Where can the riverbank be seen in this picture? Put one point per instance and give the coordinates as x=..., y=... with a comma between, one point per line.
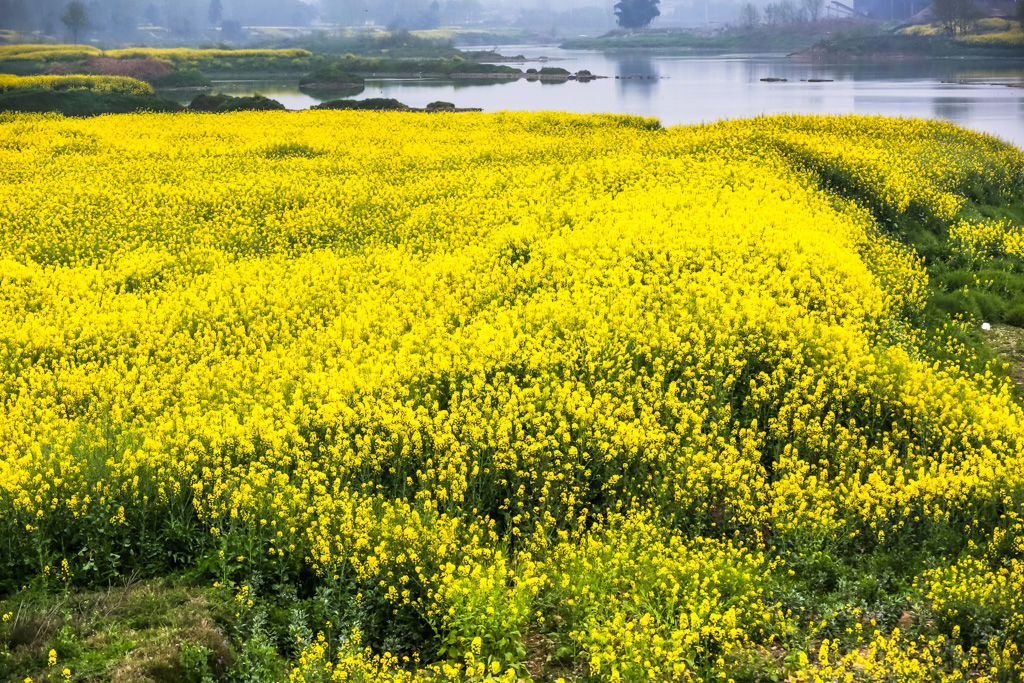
x=902, y=46
x=832, y=40
x=788, y=38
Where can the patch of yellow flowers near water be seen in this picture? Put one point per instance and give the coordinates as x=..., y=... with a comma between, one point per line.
x=527, y=373
x=988, y=31
x=177, y=55
x=119, y=84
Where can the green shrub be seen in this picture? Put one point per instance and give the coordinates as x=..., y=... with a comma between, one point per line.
x=956, y=279
x=256, y=102
x=371, y=104
x=330, y=77
x=990, y=306
x=83, y=102
x=955, y=303
x=185, y=78
x=1015, y=315
x=205, y=102
x=553, y=71
x=439, y=105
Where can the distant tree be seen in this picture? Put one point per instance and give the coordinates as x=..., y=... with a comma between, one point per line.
x=636, y=13
x=750, y=15
x=122, y=16
x=75, y=17
x=955, y=16
x=812, y=8
x=13, y=14
x=460, y=11
x=216, y=12
x=152, y=14
x=780, y=13
x=429, y=18
x=231, y=29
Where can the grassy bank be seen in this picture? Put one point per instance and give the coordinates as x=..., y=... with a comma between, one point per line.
x=989, y=38
x=889, y=46
x=510, y=396
x=147, y=62
x=786, y=38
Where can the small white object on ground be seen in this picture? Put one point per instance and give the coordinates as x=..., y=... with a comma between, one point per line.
x=986, y=327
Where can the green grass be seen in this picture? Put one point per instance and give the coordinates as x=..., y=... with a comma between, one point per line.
x=146, y=631
x=976, y=291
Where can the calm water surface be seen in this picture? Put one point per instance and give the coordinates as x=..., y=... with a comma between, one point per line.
x=680, y=89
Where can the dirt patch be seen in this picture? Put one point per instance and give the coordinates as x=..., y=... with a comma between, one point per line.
x=1008, y=342
x=134, y=68
x=544, y=664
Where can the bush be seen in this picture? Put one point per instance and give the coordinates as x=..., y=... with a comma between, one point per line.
x=553, y=71
x=331, y=77
x=435, y=106
x=955, y=303
x=957, y=279
x=1015, y=316
x=256, y=102
x=208, y=102
x=371, y=104
x=186, y=78
x=82, y=102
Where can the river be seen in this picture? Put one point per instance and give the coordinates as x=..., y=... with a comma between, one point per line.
x=982, y=94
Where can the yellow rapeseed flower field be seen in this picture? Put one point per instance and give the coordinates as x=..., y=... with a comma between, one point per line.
x=516, y=379
x=119, y=84
x=207, y=58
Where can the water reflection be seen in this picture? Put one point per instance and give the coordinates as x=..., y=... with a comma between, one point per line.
x=332, y=93
x=636, y=76
x=952, y=108
x=690, y=88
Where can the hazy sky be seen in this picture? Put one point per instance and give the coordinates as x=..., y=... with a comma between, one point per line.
x=194, y=19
